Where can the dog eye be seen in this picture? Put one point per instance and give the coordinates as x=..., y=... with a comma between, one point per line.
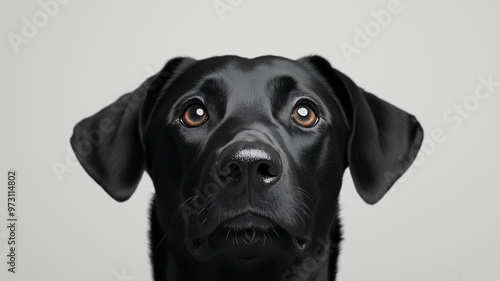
x=194, y=116
x=304, y=116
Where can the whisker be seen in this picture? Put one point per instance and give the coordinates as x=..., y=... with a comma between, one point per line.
x=306, y=194
x=177, y=211
x=163, y=238
x=300, y=218
x=305, y=212
x=272, y=227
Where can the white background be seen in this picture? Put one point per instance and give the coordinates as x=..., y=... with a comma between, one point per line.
x=442, y=222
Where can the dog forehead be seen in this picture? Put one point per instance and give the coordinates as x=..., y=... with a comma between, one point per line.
x=254, y=87
x=251, y=81
x=260, y=71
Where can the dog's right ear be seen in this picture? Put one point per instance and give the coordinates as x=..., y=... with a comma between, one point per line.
x=109, y=145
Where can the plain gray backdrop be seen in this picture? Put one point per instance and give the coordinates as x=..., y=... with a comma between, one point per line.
x=63, y=61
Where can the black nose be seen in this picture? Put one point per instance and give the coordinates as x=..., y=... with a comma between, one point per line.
x=257, y=163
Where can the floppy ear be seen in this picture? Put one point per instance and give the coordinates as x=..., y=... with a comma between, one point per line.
x=109, y=145
x=384, y=139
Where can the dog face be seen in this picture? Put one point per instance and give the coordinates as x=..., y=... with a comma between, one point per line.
x=241, y=149
x=247, y=155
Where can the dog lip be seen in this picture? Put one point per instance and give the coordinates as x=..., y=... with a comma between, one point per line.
x=243, y=223
x=243, y=220
x=248, y=220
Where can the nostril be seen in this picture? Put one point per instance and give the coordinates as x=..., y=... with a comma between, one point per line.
x=230, y=170
x=234, y=170
x=268, y=171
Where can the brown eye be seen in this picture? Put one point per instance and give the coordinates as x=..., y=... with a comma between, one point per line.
x=194, y=116
x=304, y=116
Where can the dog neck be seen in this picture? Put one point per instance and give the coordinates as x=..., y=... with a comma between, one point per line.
x=319, y=265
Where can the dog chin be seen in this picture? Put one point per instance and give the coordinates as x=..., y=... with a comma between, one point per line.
x=247, y=237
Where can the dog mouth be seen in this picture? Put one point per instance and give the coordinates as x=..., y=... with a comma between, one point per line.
x=247, y=235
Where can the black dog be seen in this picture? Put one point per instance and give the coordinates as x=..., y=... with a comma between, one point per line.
x=247, y=158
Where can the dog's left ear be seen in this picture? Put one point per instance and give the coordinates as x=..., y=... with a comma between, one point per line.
x=384, y=139
x=109, y=145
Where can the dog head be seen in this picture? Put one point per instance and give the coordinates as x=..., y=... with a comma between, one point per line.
x=247, y=155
